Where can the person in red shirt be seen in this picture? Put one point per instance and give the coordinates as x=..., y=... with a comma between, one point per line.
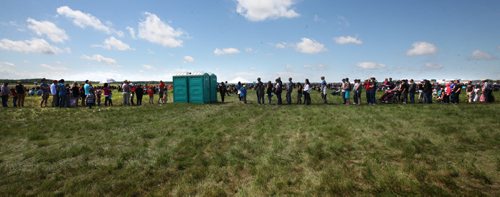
x=151, y=94
x=368, y=87
x=161, y=100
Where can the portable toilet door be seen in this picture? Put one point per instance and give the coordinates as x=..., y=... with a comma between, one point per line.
x=199, y=88
x=213, y=88
x=181, y=93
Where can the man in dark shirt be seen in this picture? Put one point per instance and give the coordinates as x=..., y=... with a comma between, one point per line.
x=259, y=89
x=21, y=93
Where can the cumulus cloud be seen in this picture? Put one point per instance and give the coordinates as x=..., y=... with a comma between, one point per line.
x=260, y=10
x=310, y=46
x=131, y=31
x=48, y=29
x=370, y=65
x=433, y=66
x=29, y=46
x=422, y=48
x=348, y=40
x=113, y=43
x=188, y=59
x=100, y=59
x=83, y=20
x=481, y=55
x=154, y=30
x=226, y=51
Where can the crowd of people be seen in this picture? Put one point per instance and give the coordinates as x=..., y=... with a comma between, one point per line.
x=65, y=95
x=400, y=91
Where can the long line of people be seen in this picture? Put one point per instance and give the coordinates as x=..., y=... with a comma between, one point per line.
x=401, y=91
x=63, y=95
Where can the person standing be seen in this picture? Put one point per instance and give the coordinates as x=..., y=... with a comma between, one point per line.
x=269, y=91
x=75, y=93
x=53, y=92
x=259, y=89
x=98, y=94
x=427, y=88
x=307, y=92
x=126, y=93
x=222, y=91
x=357, y=92
x=61, y=93
x=374, y=85
x=161, y=92
x=4, y=91
x=21, y=94
x=300, y=90
x=289, y=89
x=347, y=91
x=139, y=92
x=412, y=88
x=469, y=90
x=243, y=93
x=456, y=92
x=404, y=91
x=278, y=90
x=323, y=89
x=107, y=95
x=44, y=86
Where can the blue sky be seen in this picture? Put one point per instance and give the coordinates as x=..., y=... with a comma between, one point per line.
x=240, y=40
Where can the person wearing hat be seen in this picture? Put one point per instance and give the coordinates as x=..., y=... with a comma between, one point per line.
x=44, y=86
x=259, y=89
x=21, y=94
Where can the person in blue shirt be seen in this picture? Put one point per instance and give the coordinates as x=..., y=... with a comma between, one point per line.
x=86, y=87
x=323, y=89
x=243, y=93
x=61, y=91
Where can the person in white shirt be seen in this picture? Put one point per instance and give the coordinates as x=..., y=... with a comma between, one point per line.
x=307, y=92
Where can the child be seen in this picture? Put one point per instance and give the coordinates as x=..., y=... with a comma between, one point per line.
x=14, y=96
x=98, y=94
x=107, y=95
x=90, y=100
x=243, y=94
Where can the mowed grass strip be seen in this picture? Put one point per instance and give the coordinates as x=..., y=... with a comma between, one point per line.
x=251, y=150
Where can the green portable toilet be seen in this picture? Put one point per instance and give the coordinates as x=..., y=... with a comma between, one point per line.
x=181, y=93
x=199, y=88
x=213, y=88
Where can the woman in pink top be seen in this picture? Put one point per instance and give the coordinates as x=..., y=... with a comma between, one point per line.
x=107, y=95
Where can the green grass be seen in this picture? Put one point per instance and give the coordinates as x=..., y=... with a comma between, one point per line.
x=250, y=150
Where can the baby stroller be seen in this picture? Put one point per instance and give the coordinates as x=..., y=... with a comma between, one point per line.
x=389, y=96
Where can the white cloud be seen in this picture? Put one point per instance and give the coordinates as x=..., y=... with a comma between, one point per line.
x=481, y=55
x=83, y=20
x=47, y=28
x=6, y=64
x=370, y=65
x=188, y=59
x=113, y=43
x=348, y=40
x=131, y=31
x=280, y=45
x=315, y=67
x=34, y=45
x=259, y=10
x=147, y=67
x=422, y=48
x=226, y=51
x=433, y=66
x=100, y=58
x=310, y=46
x=154, y=30
x=53, y=68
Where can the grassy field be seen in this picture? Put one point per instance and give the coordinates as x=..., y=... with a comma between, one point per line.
x=251, y=150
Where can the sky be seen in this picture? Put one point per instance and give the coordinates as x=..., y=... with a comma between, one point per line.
x=240, y=40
